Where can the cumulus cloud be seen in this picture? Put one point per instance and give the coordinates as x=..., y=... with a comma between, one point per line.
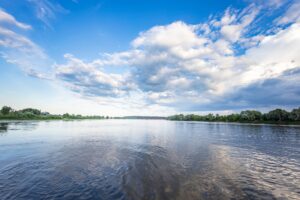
x=280, y=91
x=234, y=25
x=89, y=80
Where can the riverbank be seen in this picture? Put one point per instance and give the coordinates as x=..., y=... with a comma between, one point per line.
x=50, y=117
x=46, y=119
x=277, y=116
x=8, y=113
x=247, y=123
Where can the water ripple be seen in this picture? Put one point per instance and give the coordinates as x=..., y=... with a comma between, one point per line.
x=149, y=160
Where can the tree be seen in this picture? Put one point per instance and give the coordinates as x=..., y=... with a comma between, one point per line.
x=210, y=117
x=295, y=114
x=278, y=115
x=233, y=117
x=31, y=110
x=251, y=115
x=66, y=115
x=6, y=110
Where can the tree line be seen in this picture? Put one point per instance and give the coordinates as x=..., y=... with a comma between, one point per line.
x=253, y=116
x=7, y=112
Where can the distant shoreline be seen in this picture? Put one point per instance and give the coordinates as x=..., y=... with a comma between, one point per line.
x=276, y=117
x=245, y=123
x=9, y=120
x=8, y=113
x=297, y=124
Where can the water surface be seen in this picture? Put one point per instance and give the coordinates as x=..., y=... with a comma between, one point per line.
x=148, y=159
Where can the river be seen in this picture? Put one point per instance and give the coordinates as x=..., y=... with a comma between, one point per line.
x=148, y=159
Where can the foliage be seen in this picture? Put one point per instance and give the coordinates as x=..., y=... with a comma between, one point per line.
x=276, y=116
x=295, y=114
x=35, y=114
x=6, y=110
x=31, y=110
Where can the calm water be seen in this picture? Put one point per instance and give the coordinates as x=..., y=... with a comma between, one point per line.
x=148, y=159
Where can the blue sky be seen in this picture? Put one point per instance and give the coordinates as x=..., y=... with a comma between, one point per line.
x=153, y=57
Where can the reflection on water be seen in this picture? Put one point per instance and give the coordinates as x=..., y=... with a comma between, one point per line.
x=17, y=125
x=3, y=127
x=148, y=159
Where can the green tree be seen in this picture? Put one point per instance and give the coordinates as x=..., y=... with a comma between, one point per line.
x=31, y=110
x=232, y=117
x=210, y=117
x=278, y=115
x=66, y=115
x=251, y=115
x=295, y=114
x=6, y=110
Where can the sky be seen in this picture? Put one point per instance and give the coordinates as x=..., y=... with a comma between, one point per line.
x=149, y=57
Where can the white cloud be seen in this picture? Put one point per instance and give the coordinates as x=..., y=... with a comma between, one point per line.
x=12, y=40
x=89, y=80
x=274, y=55
x=234, y=25
x=9, y=19
x=269, y=4
x=292, y=14
x=18, y=49
x=276, y=3
x=175, y=34
x=46, y=10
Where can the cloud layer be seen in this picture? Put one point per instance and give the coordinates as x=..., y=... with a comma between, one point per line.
x=239, y=59
x=226, y=61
